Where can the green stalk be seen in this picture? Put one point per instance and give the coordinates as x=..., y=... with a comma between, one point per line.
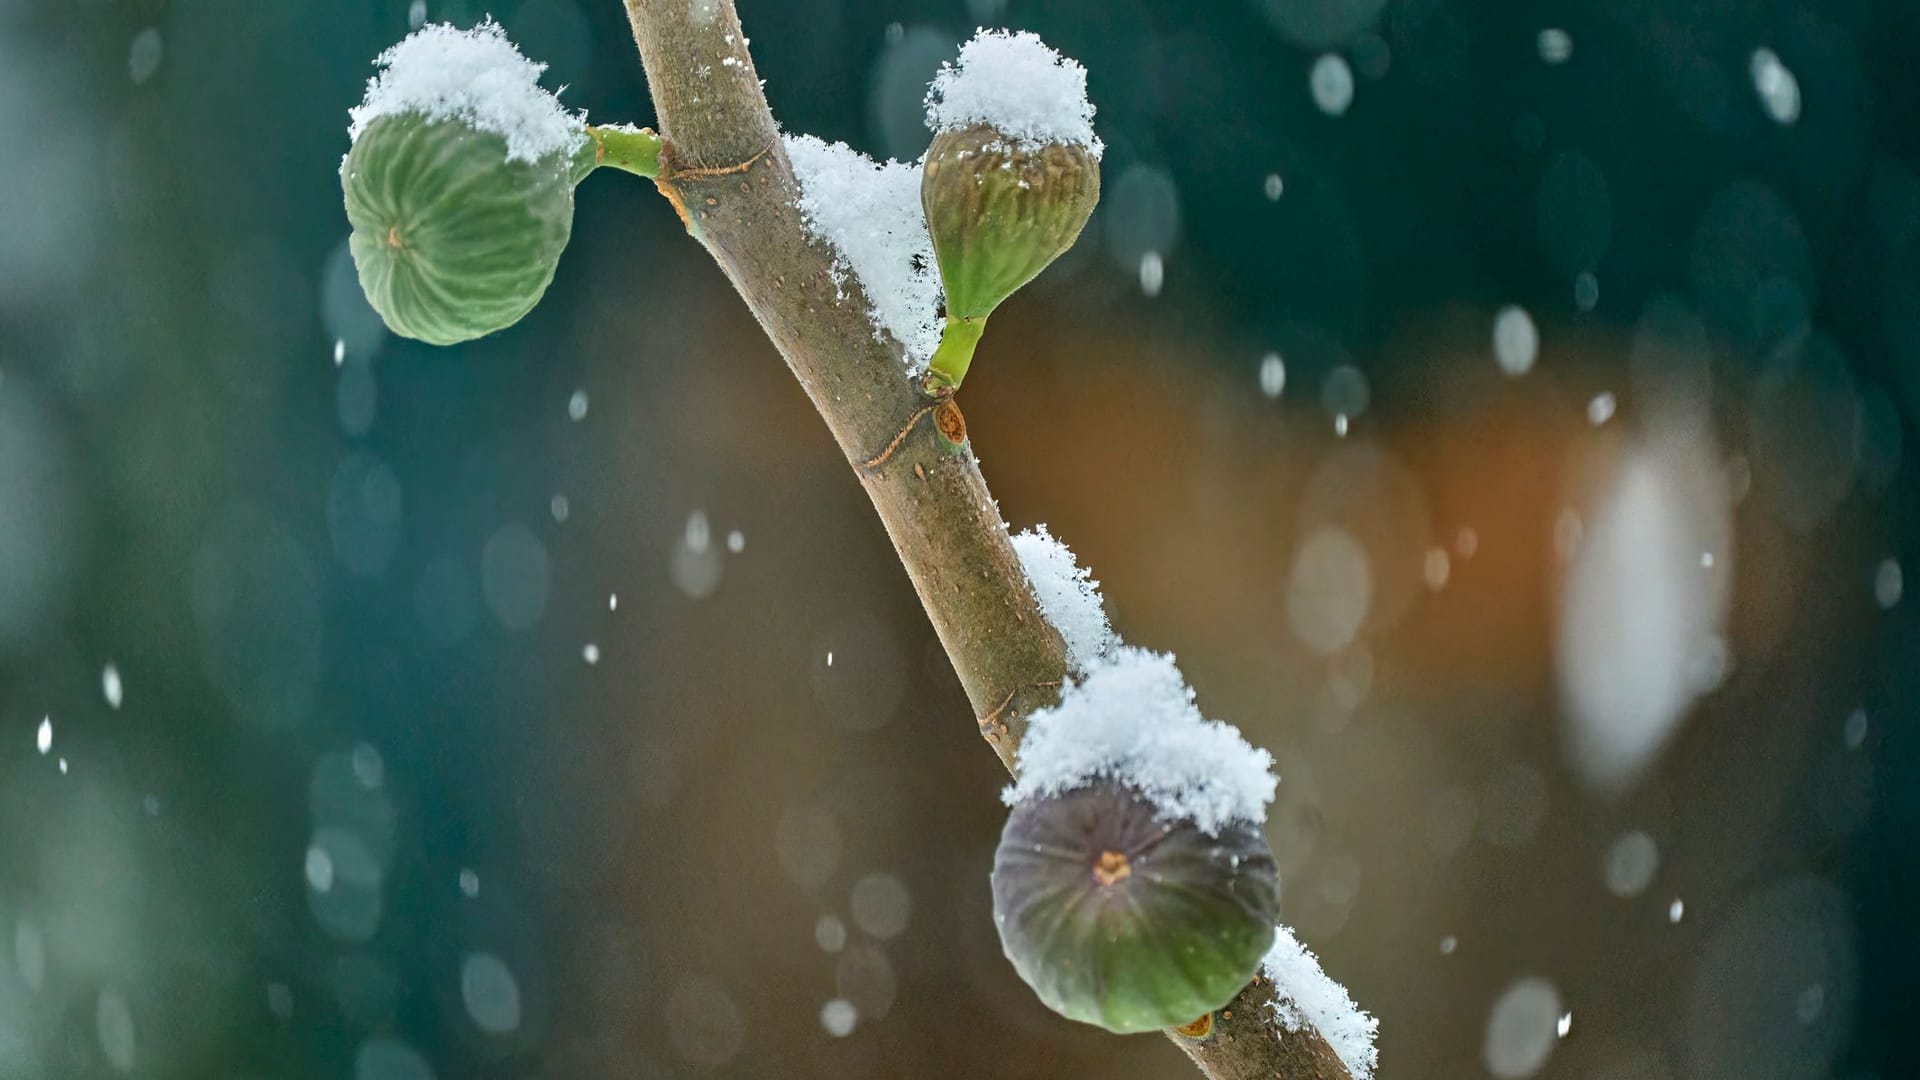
x=951, y=359
x=635, y=150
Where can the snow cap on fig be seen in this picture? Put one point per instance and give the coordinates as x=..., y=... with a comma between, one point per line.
x=1010, y=179
x=1133, y=888
x=1132, y=719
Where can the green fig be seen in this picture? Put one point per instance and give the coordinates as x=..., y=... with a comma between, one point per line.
x=451, y=238
x=999, y=210
x=1119, y=919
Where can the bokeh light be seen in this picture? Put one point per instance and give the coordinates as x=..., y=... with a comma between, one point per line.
x=1502, y=411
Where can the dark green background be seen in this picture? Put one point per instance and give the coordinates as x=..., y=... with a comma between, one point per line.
x=183, y=494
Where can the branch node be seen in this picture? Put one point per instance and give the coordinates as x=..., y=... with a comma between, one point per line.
x=952, y=425
x=991, y=724
x=669, y=171
x=874, y=463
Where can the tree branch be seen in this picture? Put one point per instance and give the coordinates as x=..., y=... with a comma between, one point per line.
x=725, y=171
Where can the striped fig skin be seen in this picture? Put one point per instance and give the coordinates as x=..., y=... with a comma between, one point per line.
x=1126, y=922
x=452, y=240
x=1000, y=211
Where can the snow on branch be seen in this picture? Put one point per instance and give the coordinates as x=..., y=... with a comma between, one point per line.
x=1304, y=996
x=1068, y=596
x=869, y=213
x=1132, y=719
x=477, y=76
x=1013, y=82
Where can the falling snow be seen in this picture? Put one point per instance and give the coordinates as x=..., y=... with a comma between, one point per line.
x=1515, y=341
x=1888, y=583
x=1153, y=274
x=1600, y=409
x=1273, y=376
x=1331, y=83
x=1634, y=615
x=1776, y=86
x=1555, y=45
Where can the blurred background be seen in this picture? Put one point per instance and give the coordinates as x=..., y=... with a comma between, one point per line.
x=1501, y=408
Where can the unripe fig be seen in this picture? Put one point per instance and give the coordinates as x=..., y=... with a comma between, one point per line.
x=999, y=210
x=1119, y=919
x=451, y=238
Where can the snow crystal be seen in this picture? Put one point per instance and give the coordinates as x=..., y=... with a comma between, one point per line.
x=1555, y=45
x=1888, y=583
x=1303, y=994
x=870, y=213
x=839, y=1017
x=477, y=76
x=1068, y=597
x=1600, y=409
x=1015, y=83
x=1779, y=91
x=1153, y=274
x=1516, y=341
x=1132, y=719
x=1331, y=83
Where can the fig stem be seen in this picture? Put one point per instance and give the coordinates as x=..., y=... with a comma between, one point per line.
x=955, y=352
x=634, y=150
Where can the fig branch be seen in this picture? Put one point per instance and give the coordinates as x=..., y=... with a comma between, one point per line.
x=723, y=166
x=721, y=163
x=1133, y=888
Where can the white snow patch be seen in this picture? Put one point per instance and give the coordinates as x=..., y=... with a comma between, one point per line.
x=477, y=76
x=870, y=214
x=1303, y=994
x=1132, y=719
x=1016, y=84
x=1068, y=597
